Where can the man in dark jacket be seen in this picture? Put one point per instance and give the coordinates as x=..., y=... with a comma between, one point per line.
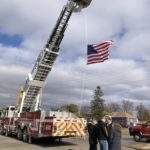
x=92, y=135
x=116, y=140
x=102, y=134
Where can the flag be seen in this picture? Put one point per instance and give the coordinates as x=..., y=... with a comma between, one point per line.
x=98, y=52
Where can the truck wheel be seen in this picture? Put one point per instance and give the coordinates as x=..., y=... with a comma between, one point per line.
x=29, y=139
x=1, y=130
x=60, y=140
x=19, y=134
x=137, y=137
x=6, y=132
x=25, y=135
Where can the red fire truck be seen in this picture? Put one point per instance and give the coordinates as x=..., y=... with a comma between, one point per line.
x=27, y=120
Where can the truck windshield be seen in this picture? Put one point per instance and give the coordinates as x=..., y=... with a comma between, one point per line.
x=12, y=108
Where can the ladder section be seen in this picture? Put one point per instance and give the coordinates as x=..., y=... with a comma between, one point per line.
x=31, y=95
x=45, y=61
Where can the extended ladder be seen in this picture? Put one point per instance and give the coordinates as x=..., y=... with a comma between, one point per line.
x=36, y=79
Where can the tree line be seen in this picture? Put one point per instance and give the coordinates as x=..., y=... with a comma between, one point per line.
x=98, y=107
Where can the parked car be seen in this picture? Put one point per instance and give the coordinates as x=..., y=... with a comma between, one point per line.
x=140, y=131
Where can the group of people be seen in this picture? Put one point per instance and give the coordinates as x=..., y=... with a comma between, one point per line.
x=104, y=132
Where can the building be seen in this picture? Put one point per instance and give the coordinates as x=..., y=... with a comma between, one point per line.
x=124, y=119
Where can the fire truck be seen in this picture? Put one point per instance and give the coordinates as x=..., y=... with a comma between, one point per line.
x=27, y=120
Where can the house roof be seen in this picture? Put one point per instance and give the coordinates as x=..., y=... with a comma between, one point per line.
x=122, y=115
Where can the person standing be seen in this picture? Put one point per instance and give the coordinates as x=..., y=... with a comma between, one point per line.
x=92, y=135
x=102, y=134
x=109, y=129
x=116, y=137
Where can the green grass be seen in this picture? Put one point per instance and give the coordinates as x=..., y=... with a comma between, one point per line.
x=125, y=131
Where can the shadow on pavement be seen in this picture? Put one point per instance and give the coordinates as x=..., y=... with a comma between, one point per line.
x=130, y=139
x=127, y=138
x=46, y=142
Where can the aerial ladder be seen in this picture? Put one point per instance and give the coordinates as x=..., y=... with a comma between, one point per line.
x=29, y=98
x=28, y=120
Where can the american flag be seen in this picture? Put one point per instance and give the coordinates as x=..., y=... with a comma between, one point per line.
x=98, y=52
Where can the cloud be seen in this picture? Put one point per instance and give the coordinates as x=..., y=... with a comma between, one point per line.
x=124, y=75
x=12, y=78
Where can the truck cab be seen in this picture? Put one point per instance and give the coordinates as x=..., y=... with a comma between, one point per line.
x=6, y=118
x=9, y=111
x=140, y=131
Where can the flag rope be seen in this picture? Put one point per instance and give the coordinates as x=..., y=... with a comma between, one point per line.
x=83, y=72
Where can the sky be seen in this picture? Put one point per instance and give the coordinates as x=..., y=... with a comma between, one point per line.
x=25, y=26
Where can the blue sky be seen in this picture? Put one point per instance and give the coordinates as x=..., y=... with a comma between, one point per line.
x=24, y=30
x=10, y=40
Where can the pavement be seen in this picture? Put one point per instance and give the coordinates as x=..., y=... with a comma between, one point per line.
x=11, y=143
x=128, y=142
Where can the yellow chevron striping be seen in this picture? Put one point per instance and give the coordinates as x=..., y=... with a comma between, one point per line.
x=61, y=127
x=71, y=127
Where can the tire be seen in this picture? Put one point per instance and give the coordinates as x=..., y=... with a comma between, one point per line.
x=137, y=137
x=29, y=139
x=60, y=140
x=6, y=132
x=19, y=134
x=25, y=135
x=1, y=130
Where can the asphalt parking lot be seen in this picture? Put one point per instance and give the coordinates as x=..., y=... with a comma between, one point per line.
x=11, y=143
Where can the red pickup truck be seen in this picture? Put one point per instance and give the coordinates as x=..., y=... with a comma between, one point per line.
x=140, y=131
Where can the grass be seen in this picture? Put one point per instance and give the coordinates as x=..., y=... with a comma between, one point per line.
x=125, y=131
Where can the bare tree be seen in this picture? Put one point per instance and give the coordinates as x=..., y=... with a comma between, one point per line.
x=85, y=111
x=143, y=113
x=127, y=106
x=113, y=107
